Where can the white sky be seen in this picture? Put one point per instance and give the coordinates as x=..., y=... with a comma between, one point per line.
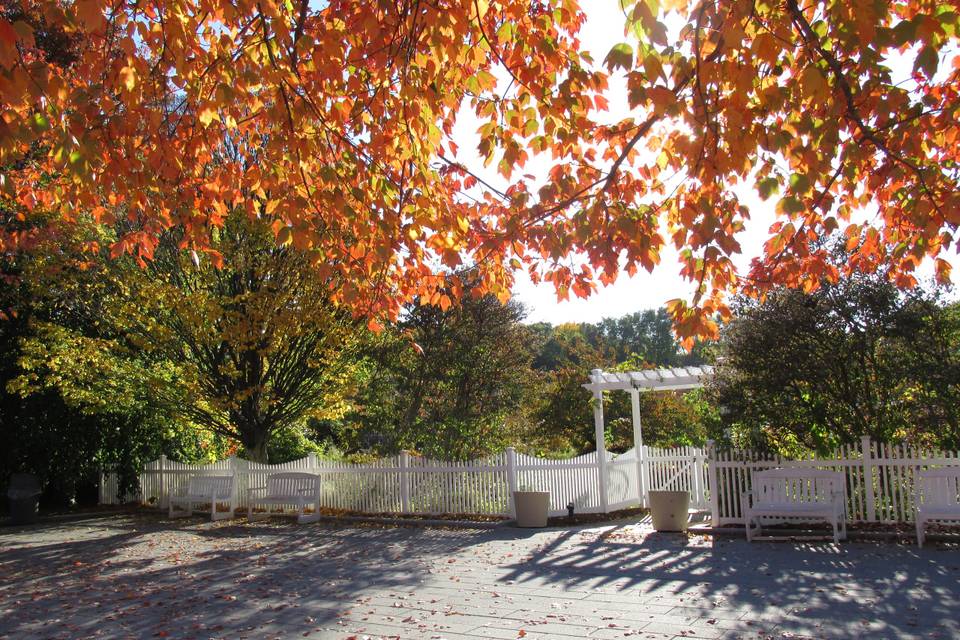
x=604, y=28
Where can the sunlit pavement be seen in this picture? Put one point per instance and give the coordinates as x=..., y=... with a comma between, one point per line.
x=147, y=577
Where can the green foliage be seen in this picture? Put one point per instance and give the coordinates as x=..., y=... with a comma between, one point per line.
x=808, y=371
x=71, y=405
x=445, y=383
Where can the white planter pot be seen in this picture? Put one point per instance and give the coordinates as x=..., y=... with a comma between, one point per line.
x=668, y=509
x=532, y=508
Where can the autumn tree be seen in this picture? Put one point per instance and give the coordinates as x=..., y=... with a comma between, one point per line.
x=243, y=350
x=72, y=402
x=126, y=107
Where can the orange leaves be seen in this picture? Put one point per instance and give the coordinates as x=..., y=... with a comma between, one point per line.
x=90, y=15
x=8, y=44
x=620, y=56
x=342, y=134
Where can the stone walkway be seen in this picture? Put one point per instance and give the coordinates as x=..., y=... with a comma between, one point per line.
x=145, y=577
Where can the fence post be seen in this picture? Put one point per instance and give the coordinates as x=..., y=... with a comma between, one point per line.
x=638, y=446
x=714, y=483
x=163, y=500
x=404, y=482
x=695, y=471
x=512, y=479
x=871, y=504
x=103, y=487
x=601, y=446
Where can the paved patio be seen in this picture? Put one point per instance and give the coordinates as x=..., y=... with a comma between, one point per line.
x=145, y=577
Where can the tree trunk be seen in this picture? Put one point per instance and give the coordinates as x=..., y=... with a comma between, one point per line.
x=255, y=446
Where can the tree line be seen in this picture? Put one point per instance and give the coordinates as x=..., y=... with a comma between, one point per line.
x=108, y=364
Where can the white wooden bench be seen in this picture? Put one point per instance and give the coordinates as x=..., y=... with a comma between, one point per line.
x=797, y=494
x=206, y=489
x=937, y=497
x=300, y=490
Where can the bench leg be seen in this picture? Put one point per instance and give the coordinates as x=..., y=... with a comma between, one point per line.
x=256, y=517
x=184, y=512
x=750, y=530
x=920, y=524
x=836, y=532
x=215, y=515
x=305, y=518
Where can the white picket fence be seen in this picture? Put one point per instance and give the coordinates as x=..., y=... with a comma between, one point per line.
x=411, y=484
x=879, y=478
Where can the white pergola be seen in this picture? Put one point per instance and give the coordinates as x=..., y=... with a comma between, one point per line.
x=672, y=379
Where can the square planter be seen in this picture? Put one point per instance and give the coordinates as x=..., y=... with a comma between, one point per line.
x=532, y=508
x=669, y=509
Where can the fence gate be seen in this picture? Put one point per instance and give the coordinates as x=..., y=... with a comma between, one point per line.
x=678, y=469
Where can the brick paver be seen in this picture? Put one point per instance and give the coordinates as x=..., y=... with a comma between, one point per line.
x=145, y=577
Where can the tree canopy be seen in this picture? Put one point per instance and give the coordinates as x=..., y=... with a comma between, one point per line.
x=334, y=122
x=809, y=371
x=243, y=350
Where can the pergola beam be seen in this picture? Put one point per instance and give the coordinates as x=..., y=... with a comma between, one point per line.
x=671, y=379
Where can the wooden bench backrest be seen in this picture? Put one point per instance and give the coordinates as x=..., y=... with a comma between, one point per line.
x=797, y=485
x=293, y=484
x=940, y=486
x=220, y=486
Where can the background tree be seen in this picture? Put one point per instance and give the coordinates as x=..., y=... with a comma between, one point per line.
x=64, y=432
x=449, y=384
x=804, y=371
x=244, y=350
x=562, y=418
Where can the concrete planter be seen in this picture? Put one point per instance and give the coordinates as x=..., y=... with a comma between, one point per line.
x=532, y=508
x=669, y=509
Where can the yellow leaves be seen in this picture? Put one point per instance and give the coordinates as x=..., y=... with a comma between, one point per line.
x=207, y=115
x=619, y=56
x=128, y=78
x=814, y=85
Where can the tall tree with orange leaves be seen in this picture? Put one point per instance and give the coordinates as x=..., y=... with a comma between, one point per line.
x=334, y=123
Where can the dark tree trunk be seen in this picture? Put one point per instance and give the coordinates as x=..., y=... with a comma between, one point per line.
x=256, y=448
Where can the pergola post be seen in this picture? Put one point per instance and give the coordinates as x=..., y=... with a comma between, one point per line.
x=601, y=442
x=668, y=379
x=638, y=446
